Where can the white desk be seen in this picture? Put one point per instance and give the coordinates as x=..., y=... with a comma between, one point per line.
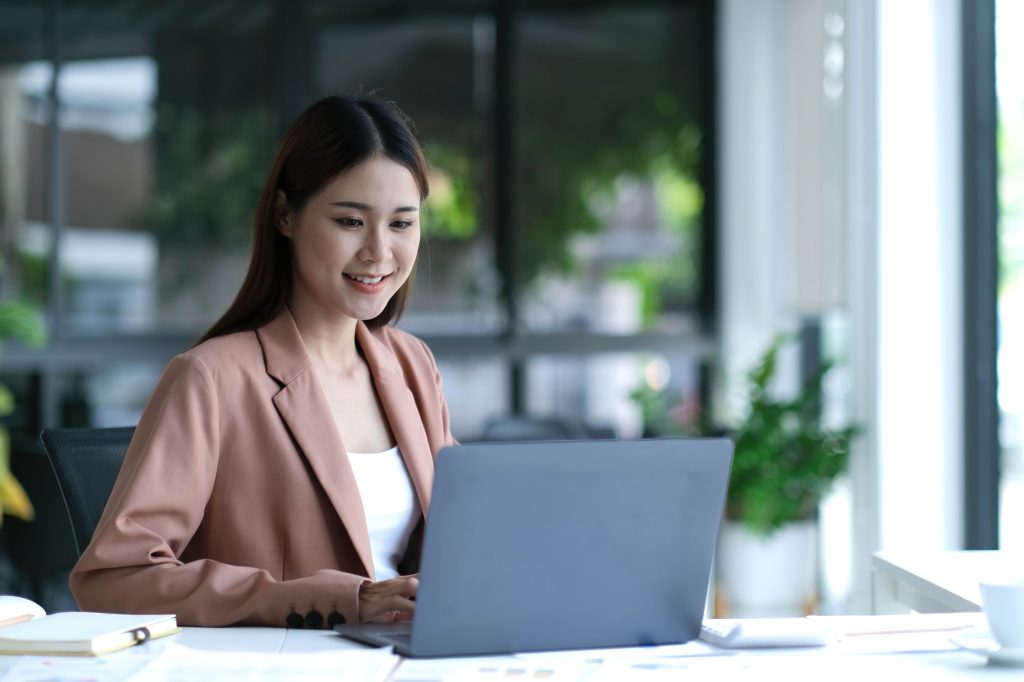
x=933, y=582
x=792, y=665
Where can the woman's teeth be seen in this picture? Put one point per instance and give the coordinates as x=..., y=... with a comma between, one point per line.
x=366, y=280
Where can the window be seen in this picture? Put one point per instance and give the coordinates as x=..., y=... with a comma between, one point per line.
x=1010, y=362
x=166, y=120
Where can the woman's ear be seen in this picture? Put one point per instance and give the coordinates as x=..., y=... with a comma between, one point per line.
x=282, y=214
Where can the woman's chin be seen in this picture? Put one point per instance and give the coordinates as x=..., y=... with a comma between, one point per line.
x=367, y=314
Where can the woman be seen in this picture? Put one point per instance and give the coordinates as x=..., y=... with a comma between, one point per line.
x=281, y=471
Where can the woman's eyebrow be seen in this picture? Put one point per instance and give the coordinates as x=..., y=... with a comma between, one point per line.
x=360, y=206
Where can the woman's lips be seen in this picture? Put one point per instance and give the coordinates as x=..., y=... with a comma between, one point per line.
x=366, y=283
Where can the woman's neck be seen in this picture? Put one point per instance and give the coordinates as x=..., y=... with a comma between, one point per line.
x=330, y=341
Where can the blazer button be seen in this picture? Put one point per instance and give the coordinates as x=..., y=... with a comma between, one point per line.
x=335, y=618
x=314, y=619
x=295, y=620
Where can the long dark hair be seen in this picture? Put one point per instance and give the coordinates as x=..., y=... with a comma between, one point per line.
x=333, y=135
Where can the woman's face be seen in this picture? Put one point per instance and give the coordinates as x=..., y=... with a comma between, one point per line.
x=354, y=243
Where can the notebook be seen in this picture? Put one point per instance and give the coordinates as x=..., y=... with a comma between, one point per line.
x=564, y=545
x=83, y=633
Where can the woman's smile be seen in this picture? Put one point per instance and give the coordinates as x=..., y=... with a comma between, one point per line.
x=369, y=284
x=362, y=226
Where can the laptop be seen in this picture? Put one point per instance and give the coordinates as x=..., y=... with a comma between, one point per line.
x=564, y=545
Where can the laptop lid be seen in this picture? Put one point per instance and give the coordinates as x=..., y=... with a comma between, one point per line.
x=569, y=544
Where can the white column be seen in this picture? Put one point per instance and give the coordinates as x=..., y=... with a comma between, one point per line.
x=753, y=184
x=919, y=276
x=12, y=169
x=782, y=207
x=861, y=189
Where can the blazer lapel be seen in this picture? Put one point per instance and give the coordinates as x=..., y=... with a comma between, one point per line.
x=402, y=413
x=303, y=406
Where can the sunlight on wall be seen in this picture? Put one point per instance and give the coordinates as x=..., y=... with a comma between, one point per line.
x=919, y=294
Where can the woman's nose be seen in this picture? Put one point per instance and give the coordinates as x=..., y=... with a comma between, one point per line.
x=375, y=246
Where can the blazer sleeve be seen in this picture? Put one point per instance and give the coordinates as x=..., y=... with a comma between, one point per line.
x=133, y=563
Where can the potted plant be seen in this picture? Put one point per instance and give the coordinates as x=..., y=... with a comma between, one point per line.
x=21, y=321
x=785, y=461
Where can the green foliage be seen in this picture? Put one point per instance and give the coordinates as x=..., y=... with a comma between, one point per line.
x=451, y=208
x=669, y=277
x=669, y=413
x=34, y=274
x=638, y=128
x=785, y=460
x=208, y=177
x=657, y=409
x=1010, y=141
x=19, y=320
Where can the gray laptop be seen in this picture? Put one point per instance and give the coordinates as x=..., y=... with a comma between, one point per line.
x=564, y=545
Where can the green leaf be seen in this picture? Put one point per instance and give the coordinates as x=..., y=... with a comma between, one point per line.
x=6, y=401
x=22, y=321
x=785, y=460
x=19, y=320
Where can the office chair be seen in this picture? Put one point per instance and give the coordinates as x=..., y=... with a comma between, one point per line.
x=41, y=551
x=86, y=463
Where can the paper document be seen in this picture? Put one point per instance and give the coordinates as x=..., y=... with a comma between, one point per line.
x=113, y=668
x=495, y=669
x=899, y=623
x=901, y=633
x=694, y=648
x=814, y=665
x=179, y=663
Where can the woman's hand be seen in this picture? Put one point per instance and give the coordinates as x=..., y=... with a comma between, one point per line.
x=388, y=600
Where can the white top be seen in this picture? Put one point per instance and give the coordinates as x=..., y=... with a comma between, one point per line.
x=390, y=505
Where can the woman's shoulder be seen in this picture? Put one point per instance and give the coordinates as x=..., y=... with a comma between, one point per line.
x=225, y=347
x=224, y=353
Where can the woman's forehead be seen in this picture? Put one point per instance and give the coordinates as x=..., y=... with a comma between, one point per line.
x=377, y=177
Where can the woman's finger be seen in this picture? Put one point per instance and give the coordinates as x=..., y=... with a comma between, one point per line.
x=406, y=586
x=379, y=602
x=400, y=603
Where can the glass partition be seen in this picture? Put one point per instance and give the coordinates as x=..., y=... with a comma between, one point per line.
x=610, y=152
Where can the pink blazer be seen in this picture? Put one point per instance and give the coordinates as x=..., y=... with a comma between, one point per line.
x=236, y=503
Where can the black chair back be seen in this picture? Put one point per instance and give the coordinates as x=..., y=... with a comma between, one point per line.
x=41, y=551
x=86, y=463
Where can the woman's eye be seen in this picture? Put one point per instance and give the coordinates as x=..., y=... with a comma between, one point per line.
x=401, y=224
x=349, y=222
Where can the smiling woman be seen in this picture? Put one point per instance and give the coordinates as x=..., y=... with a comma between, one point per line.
x=354, y=242
x=282, y=468
x=324, y=145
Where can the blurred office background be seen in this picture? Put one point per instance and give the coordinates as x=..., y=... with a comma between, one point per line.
x=627, y=198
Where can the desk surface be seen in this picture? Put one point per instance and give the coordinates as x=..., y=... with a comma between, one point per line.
x=932, y=582
x=791, y=664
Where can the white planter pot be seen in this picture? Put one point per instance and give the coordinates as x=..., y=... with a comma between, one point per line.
x=772, y=576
